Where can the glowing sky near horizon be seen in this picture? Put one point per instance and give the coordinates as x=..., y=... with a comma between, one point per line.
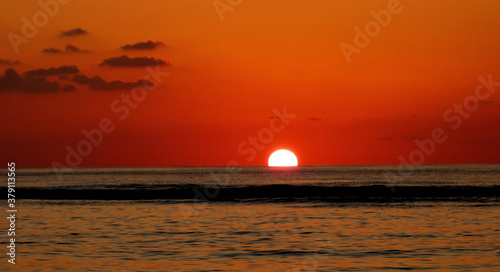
x=227, y=78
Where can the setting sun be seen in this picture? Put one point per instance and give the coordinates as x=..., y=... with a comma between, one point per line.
x=282, y=157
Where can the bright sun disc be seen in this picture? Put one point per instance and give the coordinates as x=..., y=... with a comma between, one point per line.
x=282, y=157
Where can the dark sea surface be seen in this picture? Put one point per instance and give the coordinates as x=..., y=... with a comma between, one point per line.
x=336, y=218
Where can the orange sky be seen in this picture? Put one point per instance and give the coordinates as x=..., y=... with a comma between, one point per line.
x=226, y=77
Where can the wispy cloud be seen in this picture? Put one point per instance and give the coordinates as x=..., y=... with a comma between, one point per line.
x=97, y=83
x=53, y=71
x=52, y=50
x=312, y=118
x=35, y=81
x=68, y=49
x=73, y=49
x=125, y=61
x=8, y=62
x=149, y=45
x=73, y=32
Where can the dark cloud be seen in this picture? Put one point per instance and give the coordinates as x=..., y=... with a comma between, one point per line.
x=73, y=32
x=53, y=71
x=81, y=79
x=69, y=88
x=52, y=50
x=73, y=49
x=30, y=83
x=12, y=81
x=312, y=118
x=149, y=45
x=69, y=49
x=125, y=61
x=8, y=62
x=97, y=83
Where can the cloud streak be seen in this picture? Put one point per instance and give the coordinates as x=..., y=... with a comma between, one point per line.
x=52, y=50
x=97, y=83
x=69, y=49
x=126, y=61
x=149, y=45
x=35, y=81
x=73, y=32
x=53, y=71
x=312, y=118
x=8, y=62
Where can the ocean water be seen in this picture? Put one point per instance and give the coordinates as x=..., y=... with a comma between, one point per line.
x=431, y=218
